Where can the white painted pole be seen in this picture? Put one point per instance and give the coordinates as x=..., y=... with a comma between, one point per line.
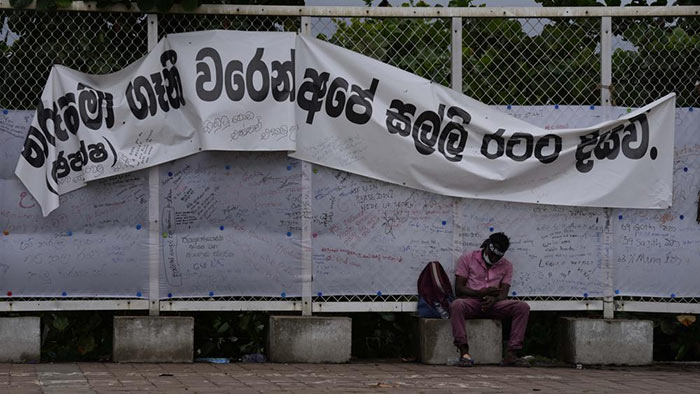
x=153, y=206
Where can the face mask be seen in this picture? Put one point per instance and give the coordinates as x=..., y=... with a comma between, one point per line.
x=486, y=259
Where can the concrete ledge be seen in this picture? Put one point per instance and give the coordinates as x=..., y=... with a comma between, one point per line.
x=436, y=341
x=598, y=341
x=145, y=339
x=20, y=339
x=309, y=339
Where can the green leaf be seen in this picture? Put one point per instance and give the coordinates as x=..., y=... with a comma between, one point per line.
x=387, y=316
x=223, y=328
x=63, y=3
x=61, y=323
x=681, y=352
x=45, y=5
x=20, y=3
x=190, y=5
x=86, y=344
x=146, y=5
x=164, y=5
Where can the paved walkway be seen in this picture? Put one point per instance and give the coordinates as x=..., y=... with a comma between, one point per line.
x=366, y=377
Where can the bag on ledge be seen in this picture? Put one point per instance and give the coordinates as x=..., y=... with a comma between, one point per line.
x=434, y=292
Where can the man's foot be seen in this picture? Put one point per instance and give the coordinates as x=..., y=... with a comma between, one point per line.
x=465, y=361
x=512, y=360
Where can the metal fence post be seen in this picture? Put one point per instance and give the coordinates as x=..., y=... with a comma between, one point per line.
x=307, y=268
x=605, y=59
x=456, y=46
x=605, y=81
x=153, y=206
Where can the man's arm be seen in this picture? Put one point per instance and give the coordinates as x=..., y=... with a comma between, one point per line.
x=463, y=291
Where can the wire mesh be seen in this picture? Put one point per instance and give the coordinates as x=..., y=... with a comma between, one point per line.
x=417, y=45
x=532, y=61
x=32, y=42
x=653, y=57
x=181, y=23
x=506, y=61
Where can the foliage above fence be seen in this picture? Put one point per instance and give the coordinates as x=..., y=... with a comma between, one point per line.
x=506, y=61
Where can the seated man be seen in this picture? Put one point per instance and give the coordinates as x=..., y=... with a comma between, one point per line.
x=482, y=285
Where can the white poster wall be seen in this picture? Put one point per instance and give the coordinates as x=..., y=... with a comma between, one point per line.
x=367, y=236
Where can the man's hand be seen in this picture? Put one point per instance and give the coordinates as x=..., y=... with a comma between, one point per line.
x=491, y=291
x=487, y=303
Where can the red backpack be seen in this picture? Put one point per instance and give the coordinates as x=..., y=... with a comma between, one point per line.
x=434, y=292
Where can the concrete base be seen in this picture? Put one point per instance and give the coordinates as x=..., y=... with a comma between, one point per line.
x=144, y=339
x=436, y=341
x=309, y=339
x=20, y=339
x=598, y=341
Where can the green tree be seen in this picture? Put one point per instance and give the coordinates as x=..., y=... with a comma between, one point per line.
x=418, y=45
x=540, y=61
x=94, y=43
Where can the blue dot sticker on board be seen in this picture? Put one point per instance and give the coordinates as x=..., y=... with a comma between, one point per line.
x=70, y=233
x=289, y=233
x=556, y=106
x=289, y=168
x=491, y=229
x=320, y=294
x=592, y=107
x=64, y=294
x=228, y=166
x=585, y=295
x=379, y=293
x=682, y=217
x=619, y=217
x=138, y=294
x=5, y=112
x=211, y=294
x=509, y=106
x=515, y=293
x=617, y=291
x=444, y=222
x=138, y=227
x=673, y=295
x=221, y=228
x=170, y=173
x=690, y=109
x=170, y=295
x=685, y=169
x=283, y=295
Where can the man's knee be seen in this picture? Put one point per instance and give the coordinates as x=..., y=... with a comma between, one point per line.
x=462, y=306
x=457, y=306
x=522, y=308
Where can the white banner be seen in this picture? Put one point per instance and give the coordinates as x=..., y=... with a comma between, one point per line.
x=212, y=90
x=423, y=135
x=227, y=90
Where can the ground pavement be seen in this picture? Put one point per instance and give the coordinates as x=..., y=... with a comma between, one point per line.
x=364, y=377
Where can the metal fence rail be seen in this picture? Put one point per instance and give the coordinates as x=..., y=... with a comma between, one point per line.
x=622, y=56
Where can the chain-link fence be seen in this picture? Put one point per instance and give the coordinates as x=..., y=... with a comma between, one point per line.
x=547, y=57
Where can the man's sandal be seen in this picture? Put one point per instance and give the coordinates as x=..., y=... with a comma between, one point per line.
x=515, y=362
x=465, y=362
